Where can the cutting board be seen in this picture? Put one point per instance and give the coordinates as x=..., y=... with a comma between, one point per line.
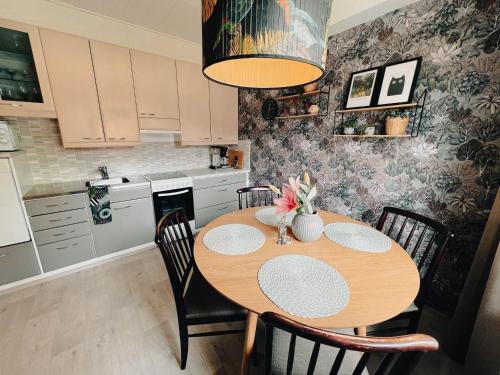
x=232, y=153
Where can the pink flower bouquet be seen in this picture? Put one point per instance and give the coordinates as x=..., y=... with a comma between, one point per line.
x=295, y=195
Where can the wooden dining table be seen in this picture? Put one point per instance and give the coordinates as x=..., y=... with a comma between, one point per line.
x=381, y=285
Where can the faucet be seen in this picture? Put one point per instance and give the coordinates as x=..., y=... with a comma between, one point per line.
x=104, y=172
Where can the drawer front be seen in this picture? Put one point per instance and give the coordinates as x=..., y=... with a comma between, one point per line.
x=206, y=215
x=62, y=233
x=54, y=204
x=216, y=195
x=206, y=182
x=129, y=193
x=58, y=219
x=65, y=253
x=17, y=262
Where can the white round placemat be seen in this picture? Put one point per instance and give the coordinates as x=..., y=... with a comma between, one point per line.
x=269, y=216
x=303, y=286
x=358, y=237
x=234, y=239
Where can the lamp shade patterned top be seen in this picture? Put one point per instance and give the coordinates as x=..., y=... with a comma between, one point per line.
x=264, y=43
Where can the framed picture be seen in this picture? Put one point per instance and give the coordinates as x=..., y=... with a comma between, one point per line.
x=363, y=88
x=399, y=81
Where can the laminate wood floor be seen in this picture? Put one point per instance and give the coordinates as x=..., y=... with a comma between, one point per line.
x=115, y=318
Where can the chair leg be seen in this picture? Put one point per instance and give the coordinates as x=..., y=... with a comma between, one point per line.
x=183, y=333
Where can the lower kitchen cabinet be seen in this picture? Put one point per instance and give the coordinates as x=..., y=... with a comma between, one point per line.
x=64, y=253
x=17, y=262
x=132, y=225
x=206, y=215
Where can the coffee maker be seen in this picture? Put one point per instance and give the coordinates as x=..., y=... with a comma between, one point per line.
x=215, y=159
x=224, y=160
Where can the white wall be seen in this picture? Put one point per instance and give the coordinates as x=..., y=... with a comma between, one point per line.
x=349, y=13
x=66, y=18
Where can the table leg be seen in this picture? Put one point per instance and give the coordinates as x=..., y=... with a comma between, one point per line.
x=250, y=329
x=361, y=331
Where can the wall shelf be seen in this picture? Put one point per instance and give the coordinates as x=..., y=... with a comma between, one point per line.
x=373, y=136
x=296, y=116
x=416, y=117
x=297, y=96
x=379, y=108
x=318, y=101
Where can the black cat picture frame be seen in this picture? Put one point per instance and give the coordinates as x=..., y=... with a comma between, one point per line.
x=363, y=88
x=399, y=82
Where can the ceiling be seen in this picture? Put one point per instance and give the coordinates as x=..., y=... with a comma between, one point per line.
x=181, y=18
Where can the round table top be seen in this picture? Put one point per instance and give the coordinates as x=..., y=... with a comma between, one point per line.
x=381, y=285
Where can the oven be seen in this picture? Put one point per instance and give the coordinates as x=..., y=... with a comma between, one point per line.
x=168, y=200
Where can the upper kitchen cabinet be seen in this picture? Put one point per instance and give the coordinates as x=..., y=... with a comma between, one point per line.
x=115, y=90
x=71, y=74
x=224, y=113
x=194, y=104
x=155, y=82
x=24, y=85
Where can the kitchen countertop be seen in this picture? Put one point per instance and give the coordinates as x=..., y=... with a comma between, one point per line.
x=207, y=172
x=72, y=187
x=38, y=191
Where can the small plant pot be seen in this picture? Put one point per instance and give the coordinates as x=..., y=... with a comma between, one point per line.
x=370, y=130
x=313, y=109
x=396, y=125
x=348, y=131
x=306, y=227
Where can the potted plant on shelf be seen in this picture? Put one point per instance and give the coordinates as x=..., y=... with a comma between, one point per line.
x=350, y=125
x=397, y=121
x=307, y=225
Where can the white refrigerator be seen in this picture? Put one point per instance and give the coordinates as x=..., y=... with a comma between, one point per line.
x=13, y=226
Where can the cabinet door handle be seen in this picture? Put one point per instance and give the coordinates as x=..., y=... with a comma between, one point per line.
x=56, y=205
x=62, y=234
x=99, y=138
x=220, y=138
x=123, y=138
x=55, y=220
x=121, y=208
x=223, y=208
x=221, y=190
x=87, y=138
x=147, y=114
x=221, y=180
x=11, y=104
x=4, y=255
x=61, y=248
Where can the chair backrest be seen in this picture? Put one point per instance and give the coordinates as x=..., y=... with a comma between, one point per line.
x=423, y=238
x=255, y=196
x=175, y=241
x=395, y=355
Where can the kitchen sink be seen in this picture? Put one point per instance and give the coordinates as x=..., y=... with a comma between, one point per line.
x=108, y=182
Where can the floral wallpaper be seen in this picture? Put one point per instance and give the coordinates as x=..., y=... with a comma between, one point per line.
x=449, y=172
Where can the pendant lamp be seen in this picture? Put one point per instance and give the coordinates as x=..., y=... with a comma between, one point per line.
x=264, y=44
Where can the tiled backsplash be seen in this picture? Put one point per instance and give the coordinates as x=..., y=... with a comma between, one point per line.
x=50, y=162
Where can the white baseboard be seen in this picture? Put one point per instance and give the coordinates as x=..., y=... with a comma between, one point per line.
x=24, y=283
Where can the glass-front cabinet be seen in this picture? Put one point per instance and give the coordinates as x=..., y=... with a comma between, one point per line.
x=24, y=84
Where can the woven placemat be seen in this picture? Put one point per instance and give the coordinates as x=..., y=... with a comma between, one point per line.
x=234, y=239
x=303, y=286
x=358, y=237
x=268, y=216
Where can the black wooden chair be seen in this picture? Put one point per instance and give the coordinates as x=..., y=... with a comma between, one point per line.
x=294, y=348
x=255, y=196
x=426, y=241
x=195, y=300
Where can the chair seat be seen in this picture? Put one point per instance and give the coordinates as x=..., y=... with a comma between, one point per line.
x=202, y=301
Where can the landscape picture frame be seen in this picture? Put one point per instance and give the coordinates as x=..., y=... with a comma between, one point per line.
x=363, y=88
